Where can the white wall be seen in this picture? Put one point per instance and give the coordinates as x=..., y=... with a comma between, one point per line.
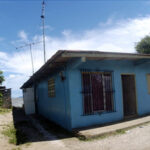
x=28, y=98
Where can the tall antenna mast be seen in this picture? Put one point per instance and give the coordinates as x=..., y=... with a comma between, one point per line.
x=43, y=24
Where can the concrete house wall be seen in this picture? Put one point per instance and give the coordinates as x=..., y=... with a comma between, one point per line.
x=54, y=108
x=28, y=98
x=66, y=108
x=117, y=67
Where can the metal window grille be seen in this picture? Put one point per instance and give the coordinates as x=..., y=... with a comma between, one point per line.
x=51, y=87
x=97, y=92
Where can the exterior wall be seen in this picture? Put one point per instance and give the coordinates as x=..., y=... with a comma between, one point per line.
x=55, y=108
x=28, y=98
x=118, y=68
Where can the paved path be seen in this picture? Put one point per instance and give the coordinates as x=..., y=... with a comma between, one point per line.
x=89, y=133
x=134, y=139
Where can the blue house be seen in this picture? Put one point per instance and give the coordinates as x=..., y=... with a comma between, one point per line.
x=83, y=88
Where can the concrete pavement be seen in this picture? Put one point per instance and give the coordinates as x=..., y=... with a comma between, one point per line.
x=110, y=129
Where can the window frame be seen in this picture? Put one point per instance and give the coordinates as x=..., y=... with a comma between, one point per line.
x=148, y=82
x=104, y=92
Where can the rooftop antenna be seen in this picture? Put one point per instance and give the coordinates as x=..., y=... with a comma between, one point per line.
x=43, y=28
x=31, y=54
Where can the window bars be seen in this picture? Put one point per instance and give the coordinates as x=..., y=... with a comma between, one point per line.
x=97, y=92
x=51, y=87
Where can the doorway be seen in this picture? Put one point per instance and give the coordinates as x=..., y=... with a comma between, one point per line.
x=129, y=95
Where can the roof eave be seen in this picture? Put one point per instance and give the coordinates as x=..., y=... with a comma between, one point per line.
x=76, y=54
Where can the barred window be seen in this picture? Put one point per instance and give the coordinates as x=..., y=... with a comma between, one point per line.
x=97, y=92
x=51, y=87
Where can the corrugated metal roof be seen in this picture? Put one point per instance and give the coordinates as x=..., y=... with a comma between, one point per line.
x=61, y=57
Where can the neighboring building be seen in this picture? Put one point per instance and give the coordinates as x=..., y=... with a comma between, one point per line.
x=6, y=97
x=84, y=88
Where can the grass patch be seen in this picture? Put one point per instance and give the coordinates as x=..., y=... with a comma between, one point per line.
x=18, y=148
x=121, y=131
x=4, y=110
x=15, y=136
x=10, y=132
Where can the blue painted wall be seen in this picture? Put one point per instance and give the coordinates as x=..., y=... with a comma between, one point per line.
x=54, y=108
x=66, y=109
x=118, y=68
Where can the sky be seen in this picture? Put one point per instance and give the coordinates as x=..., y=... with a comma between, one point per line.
x=104, y=25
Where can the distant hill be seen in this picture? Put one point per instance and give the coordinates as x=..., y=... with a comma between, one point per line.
x=17, y=102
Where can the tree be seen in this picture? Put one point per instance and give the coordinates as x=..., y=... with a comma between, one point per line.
x=143, y=46
x=1, y=77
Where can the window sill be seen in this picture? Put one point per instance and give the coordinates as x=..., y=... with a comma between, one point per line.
x=99, y=113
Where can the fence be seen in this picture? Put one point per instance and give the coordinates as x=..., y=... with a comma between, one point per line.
x=6, y=97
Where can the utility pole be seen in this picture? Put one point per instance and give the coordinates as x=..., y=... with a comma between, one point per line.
x=43, y=28
x=31, y=54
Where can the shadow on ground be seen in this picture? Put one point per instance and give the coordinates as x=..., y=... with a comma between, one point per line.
x=26, y=132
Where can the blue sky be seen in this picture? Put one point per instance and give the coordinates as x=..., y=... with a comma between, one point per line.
x=110, y=25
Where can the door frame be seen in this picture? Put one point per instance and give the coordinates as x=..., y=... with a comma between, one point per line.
x=136, y=101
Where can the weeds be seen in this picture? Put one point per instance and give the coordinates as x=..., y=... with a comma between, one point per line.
x=15, y=136
x=10, y=132
x=4, y=110
x=18, y=148
x=121, y=131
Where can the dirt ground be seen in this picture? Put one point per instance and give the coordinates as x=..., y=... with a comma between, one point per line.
x=5, y=119
x=134, y=139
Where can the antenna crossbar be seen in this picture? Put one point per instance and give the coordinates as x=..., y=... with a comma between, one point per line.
x=31, y=54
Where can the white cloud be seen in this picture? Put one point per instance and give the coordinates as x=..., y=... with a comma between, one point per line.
x=119, y=37
x=66, y=33
x=11, y=76
x=3, y=55
x=14, y=82
x=23, y=35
